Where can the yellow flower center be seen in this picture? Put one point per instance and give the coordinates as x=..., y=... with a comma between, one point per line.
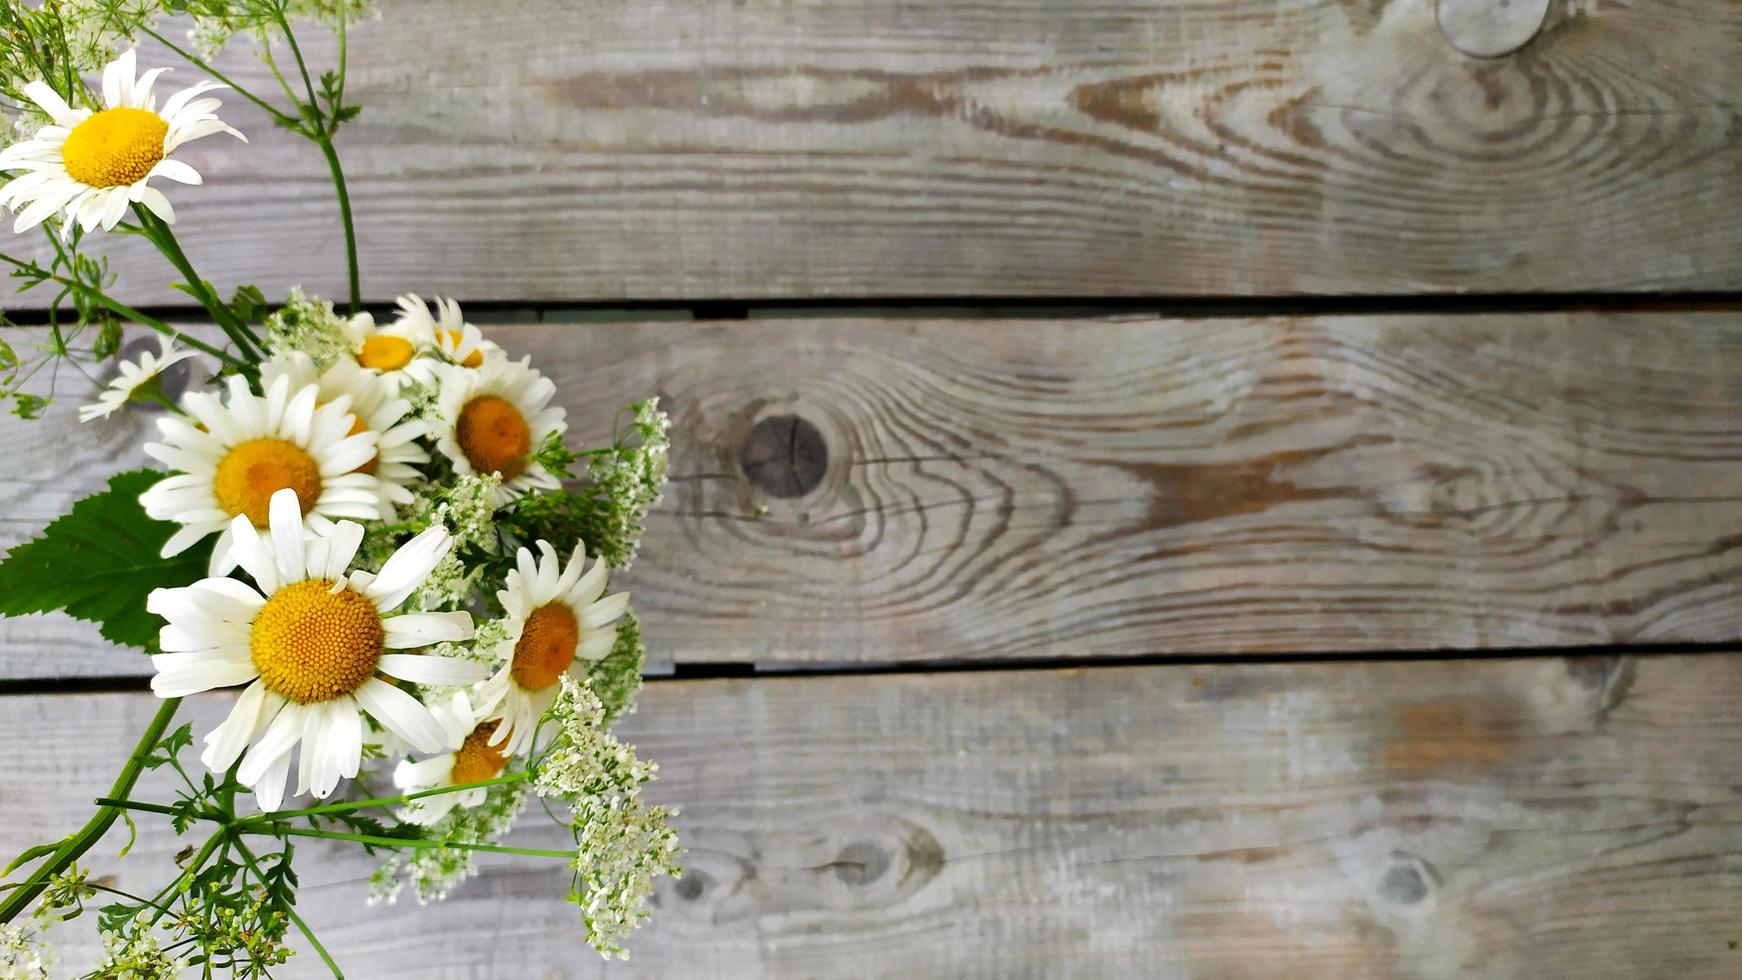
x=313, y=644
x=385, y=353
x=253, y=471
x=494, y=436
x=114, y=147
x=546, y=647
x=452, y=339
x=478, y=760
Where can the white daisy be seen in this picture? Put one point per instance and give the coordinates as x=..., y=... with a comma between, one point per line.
x=233, y=456
x=452, y=340
x=374, y=408
x=132, y=378
x=312, y=645
x=470, y=759
x=93, y=165
x=386, y=352
x=559, y=620
x=489, y=420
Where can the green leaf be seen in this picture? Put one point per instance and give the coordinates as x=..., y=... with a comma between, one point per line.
x=99, y=563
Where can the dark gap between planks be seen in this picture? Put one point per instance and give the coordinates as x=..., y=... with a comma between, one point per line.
x=679, y=673
x=1052, y=307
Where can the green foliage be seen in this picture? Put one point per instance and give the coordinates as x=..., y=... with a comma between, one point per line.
x=99, y=563
x=617, y=676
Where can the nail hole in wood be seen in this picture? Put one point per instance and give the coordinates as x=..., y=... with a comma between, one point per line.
x=785, y=456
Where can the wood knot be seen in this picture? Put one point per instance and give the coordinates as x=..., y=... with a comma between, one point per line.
x=692, y=884
x=861, y=862
x=1407, y=880
x=1491, y=28
x=785, y=456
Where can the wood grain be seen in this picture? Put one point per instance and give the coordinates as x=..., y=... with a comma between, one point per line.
x=1576, y=819
x=556, y=150
x=1122, y=488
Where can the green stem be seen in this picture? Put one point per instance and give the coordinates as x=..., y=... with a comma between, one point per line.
x=344, y=195
x=123, y=310
x=380, y=801
x=138, y=805
x=289, y=910
x=94, y=829
x=160, y=235
x=415, y=843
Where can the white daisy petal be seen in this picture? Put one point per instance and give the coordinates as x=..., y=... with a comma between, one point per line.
x=408, y=567
x=224, y=744
x=282, y=734
x=287, y=540
x=429, y=669
x=400, y=713
x=410, y=630
x=205, y=676
x=269, y=788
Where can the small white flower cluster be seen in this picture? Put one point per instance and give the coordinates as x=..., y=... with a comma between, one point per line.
x=136, y=957
x=621, y=843
x=308, y=324
x=212, y=31
x=435, y=871
x=24, y=954
x=633, y=478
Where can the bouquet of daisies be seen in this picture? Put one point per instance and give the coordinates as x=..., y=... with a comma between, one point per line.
x=371, y=532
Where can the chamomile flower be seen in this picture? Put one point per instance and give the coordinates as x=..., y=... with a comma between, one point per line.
x=233, y=456
x=387, y=352
x=313, y=645
x=491, y=419
x=374, y=408
x=470, y=759
x=132, y=378
x=559, y=621
x=452, y=340
x=92, y=165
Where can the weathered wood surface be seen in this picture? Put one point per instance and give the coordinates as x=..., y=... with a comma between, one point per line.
x=1031, y=488
x=557, y=150
x=1548, y=818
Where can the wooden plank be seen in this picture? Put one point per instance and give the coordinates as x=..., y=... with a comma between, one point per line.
x=1138, y=487
x=557, y=150
x=1546, y=818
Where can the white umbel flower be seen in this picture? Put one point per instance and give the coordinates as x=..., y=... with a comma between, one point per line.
x=559, y=621
x=374, y=408
x=243, y=451
x=313, y=645
x=451, y=340
x=470, y=759
x=92, y=165
x=490, y=419
x=132, y=377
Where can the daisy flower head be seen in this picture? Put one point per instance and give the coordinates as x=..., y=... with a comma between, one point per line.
x=234, y=455
x=92, y=165
x=312, y=641
x=375, y=408
x=452, y=339
x=490, y=420
x=132, y=379
x=470, y=758
x=386, y=352
x=559, y=621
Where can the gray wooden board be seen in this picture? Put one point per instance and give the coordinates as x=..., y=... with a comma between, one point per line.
x=555, y=150
x=1541, y=818
x=1030, y=488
